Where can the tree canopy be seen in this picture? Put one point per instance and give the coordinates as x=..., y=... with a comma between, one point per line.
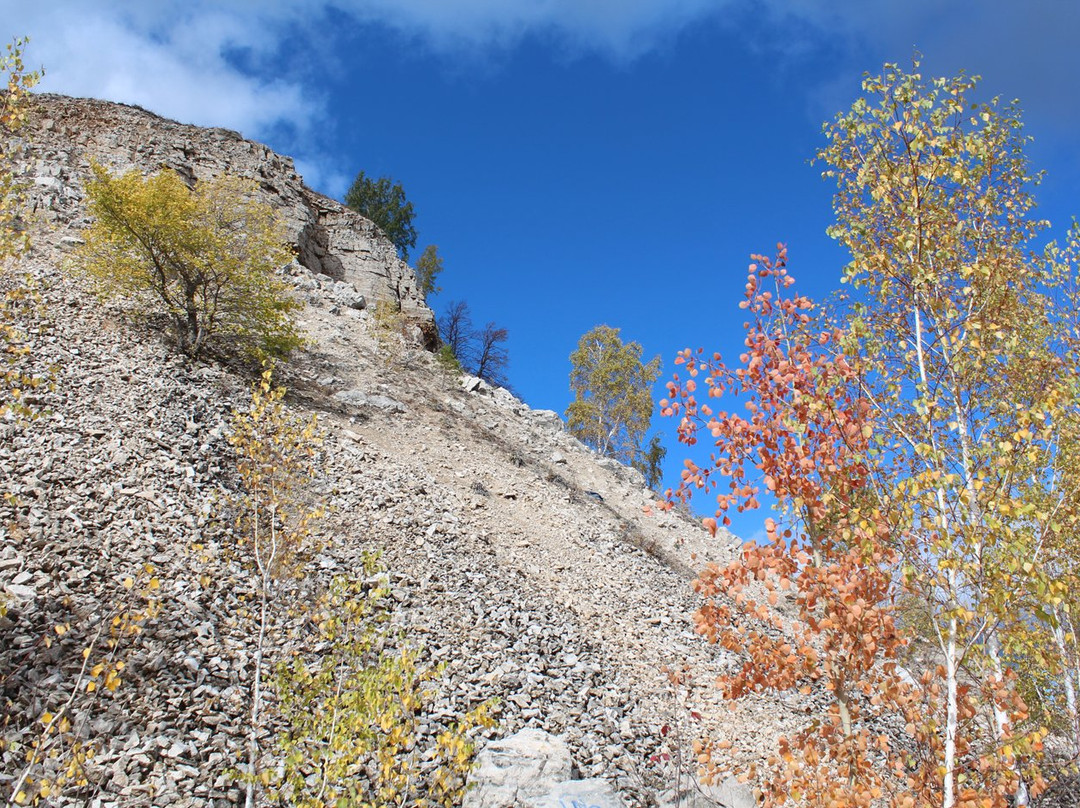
x=919, y=437
x=383, y=201
x=428, y=268
x=206, y=259
x=612, y=387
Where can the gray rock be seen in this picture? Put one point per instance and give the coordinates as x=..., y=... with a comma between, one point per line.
x=354, y=398
x=524, y=766
x=386, y=403
x=728, y=794
x=360, y=399
x=546, y=418
x=345, y=294
x=504, y=398
x=593, y=793
x=20, y=592
x=610, y=464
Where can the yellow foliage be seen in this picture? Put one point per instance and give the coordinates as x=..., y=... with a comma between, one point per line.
x=353, y=711
x=17, y=296
x=206, y=260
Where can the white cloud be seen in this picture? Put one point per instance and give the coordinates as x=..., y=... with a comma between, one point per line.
x=620, y=29
x=174, y=57
x=225, y=63
x=171, y=62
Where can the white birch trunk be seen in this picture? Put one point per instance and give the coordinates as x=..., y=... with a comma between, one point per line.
x=1001, y=717
x=950, y=649
x=1068, y=673
x=952, y=717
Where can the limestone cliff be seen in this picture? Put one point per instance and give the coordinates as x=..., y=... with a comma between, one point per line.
x=330, y=240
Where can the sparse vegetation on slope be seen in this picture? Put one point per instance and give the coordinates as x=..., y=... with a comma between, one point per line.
x=16, y=294
x=207, y=259
x=480, y=352
x=350, y=716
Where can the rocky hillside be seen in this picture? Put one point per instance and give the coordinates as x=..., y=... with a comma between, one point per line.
x=518, y=558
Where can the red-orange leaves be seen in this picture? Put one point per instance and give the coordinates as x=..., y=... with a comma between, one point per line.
x=809, y=611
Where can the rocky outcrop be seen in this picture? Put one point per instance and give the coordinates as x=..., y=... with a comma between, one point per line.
x=518, y=770
x=65, y=134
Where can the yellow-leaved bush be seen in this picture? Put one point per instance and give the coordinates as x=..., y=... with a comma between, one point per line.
x=352, y=714
x=205, y=260
x=18, y=300
x=349, y=710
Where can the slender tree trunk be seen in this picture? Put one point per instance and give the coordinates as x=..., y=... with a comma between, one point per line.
x=1001, y=717
x=1068, y=672
x=256, y=702
x=193, y=337
x=952, y=718
x=264, y=567
x=974, y=519
x=952, y=713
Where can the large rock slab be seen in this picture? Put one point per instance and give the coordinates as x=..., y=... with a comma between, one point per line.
x=593, y=793
x=728, y=794
x=515, y=770
x=359, y=399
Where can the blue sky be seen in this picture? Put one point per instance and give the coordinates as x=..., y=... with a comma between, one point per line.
x=577, y=161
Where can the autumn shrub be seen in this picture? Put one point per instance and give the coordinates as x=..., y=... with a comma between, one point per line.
x=56, y=750
x=205, y=260
x=19, y=302
x=350, y=712
x=812, y=611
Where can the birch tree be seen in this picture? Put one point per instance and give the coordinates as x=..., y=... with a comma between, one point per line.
x=612, y=389
x=946, y=379
x=948, y=318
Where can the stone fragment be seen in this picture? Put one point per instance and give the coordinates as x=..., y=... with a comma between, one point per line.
x=593, y=793
x=728, y=794
x=359, y=399
x=527, y=765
